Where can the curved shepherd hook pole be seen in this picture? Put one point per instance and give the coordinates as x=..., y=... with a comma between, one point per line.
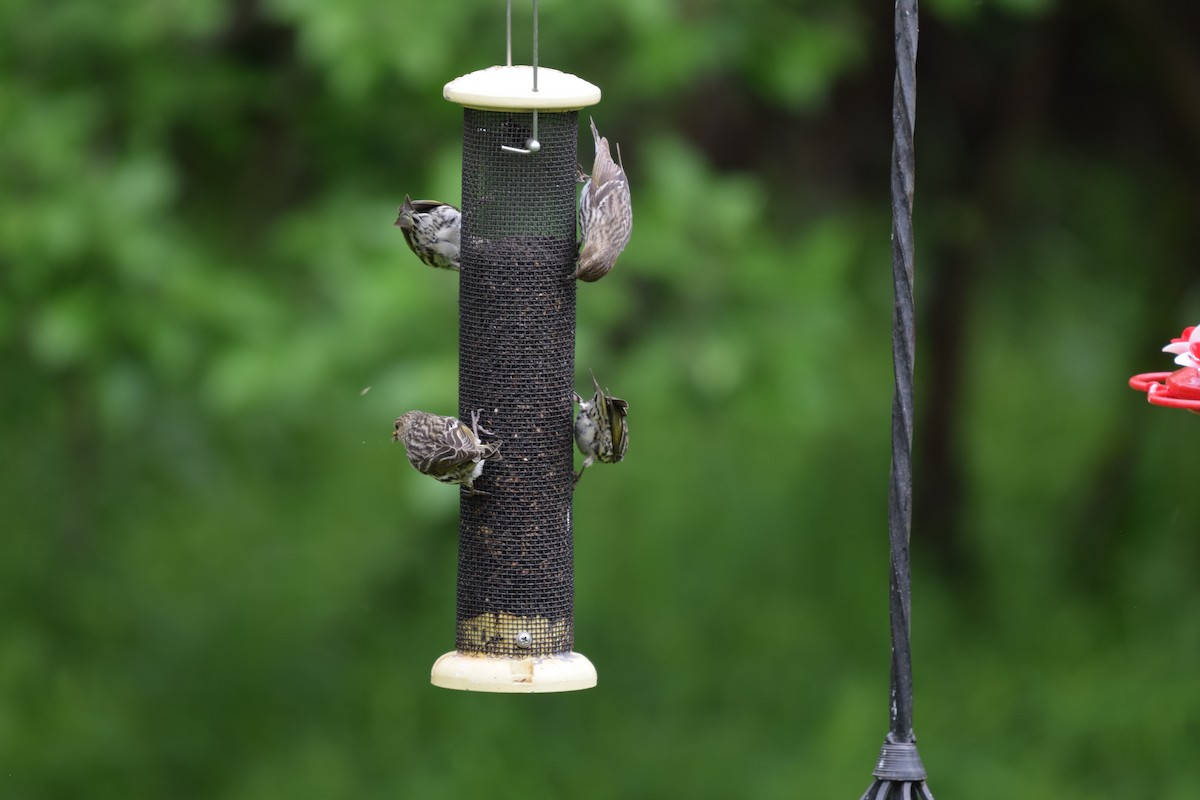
x=899, y=772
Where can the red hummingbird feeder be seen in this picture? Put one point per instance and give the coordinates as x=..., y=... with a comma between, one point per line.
x=1181, y=388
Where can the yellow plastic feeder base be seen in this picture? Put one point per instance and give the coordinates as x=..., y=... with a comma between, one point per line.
x=471, y=673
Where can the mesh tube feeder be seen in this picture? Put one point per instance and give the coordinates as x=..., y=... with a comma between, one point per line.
x=515, y=593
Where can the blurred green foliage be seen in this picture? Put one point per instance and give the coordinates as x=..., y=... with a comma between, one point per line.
x=217, y=580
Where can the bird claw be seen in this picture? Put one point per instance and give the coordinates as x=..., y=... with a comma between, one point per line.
x=587, y=462
x=475, y=426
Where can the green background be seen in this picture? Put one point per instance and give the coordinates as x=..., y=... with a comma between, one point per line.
x=219, y=580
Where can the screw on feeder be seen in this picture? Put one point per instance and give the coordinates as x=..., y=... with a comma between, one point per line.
x=524, y=640
x=532, y=145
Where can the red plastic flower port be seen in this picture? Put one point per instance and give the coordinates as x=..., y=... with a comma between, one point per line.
x=1186, y=348
x=1179, y=389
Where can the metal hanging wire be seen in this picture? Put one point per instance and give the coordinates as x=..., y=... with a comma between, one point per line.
x=532, y=145
x=899, y=772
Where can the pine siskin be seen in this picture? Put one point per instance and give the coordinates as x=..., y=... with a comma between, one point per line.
x=444, y=448
x=432, y=231
x=601, y=430
x=605, y=214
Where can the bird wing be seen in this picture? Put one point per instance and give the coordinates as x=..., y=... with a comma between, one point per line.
x=425, y=206
x=617, y=410
x=405, y=219
x=604, y=169
x=599, y=202
x=454, y=446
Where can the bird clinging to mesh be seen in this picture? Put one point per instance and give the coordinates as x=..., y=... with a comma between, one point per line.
x=444, y=448
x=605, y=213
x=432, y=231
x=601, y=430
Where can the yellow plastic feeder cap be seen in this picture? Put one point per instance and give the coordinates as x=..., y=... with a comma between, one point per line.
x=511, y=89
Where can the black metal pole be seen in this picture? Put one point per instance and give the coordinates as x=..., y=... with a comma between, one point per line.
x=899, y=771
x=904, y=108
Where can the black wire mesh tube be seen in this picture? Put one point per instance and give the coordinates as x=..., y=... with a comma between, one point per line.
x=899, y=771
x=516, y=364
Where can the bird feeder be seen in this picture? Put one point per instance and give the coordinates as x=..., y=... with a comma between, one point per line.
x=515, y=594
x=1181, y=388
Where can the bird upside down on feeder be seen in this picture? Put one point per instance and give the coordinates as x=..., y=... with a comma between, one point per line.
x=432, y=230
x=601, y=429
x=605, y=213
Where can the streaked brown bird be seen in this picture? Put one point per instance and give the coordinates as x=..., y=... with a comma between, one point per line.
x=601, y=428
x=432, y=230
x=605, y=213
x=444, y=448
